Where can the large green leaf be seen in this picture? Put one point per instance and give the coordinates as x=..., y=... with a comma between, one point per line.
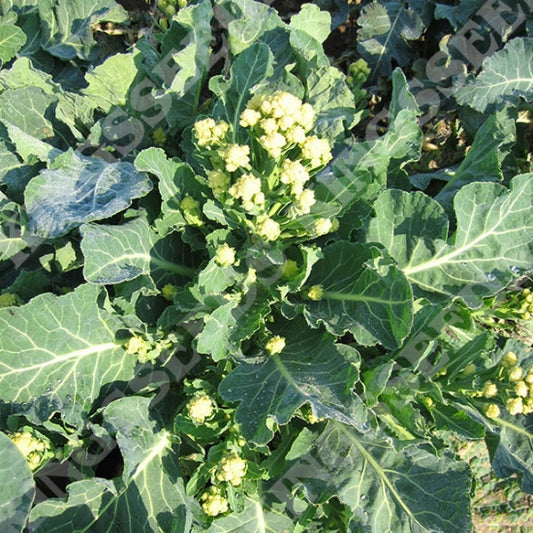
x=67, y=25
x=231, y=323
x=250, y=67
x=241, y=16
x=333, y=101
x=360, y=172
x=30, y=109
x=29, y=148
x=310, y=369
x=56, y=354
x=18, y=488
x=22, y=73
x=117, y=253
x=188, y=42
x=483, y=162
x=511, y=449
x=11, y=241
x=254, y=518
x=14, y=174
x=175, y=179
x=109, y=84
x=506, y=77
x=385, y=29
x=364, y=293
x=150, y=494
x=12, y=38
x=78, y=189
x=493, y=240
x=407, y=491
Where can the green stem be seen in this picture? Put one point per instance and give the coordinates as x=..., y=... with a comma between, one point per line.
x=181, y=270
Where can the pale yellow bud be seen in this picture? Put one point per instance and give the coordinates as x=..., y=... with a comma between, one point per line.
x=514, y=406
x=490, y=390
x=492, y=411
x=509, y=360
x=275, y=345
x=515, y=373
x=225, y=255
x=521, y=389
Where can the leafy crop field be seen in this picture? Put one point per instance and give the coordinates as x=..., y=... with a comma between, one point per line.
x=266, y=266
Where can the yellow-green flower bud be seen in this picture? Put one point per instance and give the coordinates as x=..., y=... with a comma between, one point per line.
x=273, y=143
x=169, y=291
x=137, y=345
x=490, y=390
x=316, y=151
x=275, y=345
x=34, y=449
x=159, y=136
x=521, y=389
x=509, y=360
x=191, y=211
x=289, y=269
x=9, y=299
x=269, y=229
x=322, y=226
x=315, y=293
x=515, y=373
x=213, y=503
x=231, y=468
x=225, y=255
x=528, y=406
x=236, y=156
x=470, y=369
x=492, y=411
x=249, y=117
x=514, y=406
x=200, y=408
x=218, y=181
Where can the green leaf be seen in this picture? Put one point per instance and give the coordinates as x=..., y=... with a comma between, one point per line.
x=333, y=101
x=254, y=518
x=188, y=41
x=175, y=179
x=78, y=189
x=56, y=354
x=494, y=237
x=29, y=148
x=14, y=174
x=241, y=16
x=12, y=38
x=364, y=293
x=66, y=26
x=453, y=419
x=118, y=253
x=310, y=369
x=231, y=323
x=312, y=21
x=457, y=15
x=11, y=240
x=109, y=84
x=511, y=449
x=30, y=109
x=251, y=67
x=506, y=77
x=150, y=494
x=385, y=29
x=308, y=29
x=483, y=162
x=18, y=488
x=360, y=172
x=402, y=491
